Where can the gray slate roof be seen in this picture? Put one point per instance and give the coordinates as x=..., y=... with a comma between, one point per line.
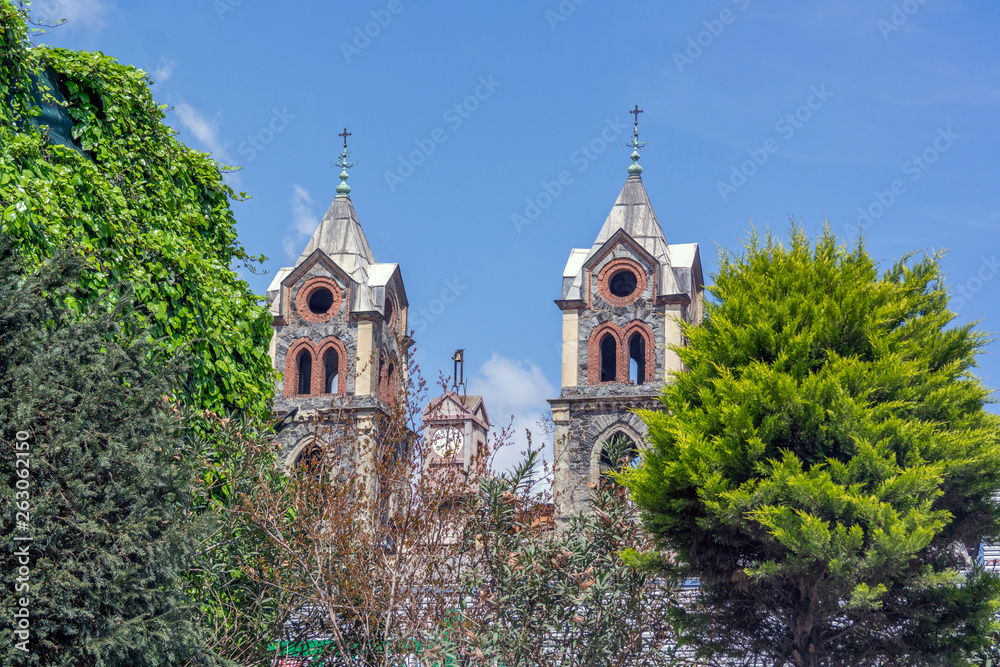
x=680, y=264
x=341, y=238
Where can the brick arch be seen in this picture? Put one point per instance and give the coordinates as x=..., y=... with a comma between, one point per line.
x=388, y=376
x=594, y=353
x=328, y=343
x=643, y=329
x=291, y=377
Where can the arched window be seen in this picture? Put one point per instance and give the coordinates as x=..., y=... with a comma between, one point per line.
x=637, y=358
x=331, y=371
x=609, y=358
x=305, y=362
x=619, y=451
x=390, y=382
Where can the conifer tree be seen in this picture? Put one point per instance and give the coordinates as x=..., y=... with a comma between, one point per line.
x=825, y=465
x=95, y=529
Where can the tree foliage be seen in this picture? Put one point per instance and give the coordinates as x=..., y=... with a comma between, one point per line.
x=826, y=466
x=566, y=597
x=138, y=205
x=96, y=512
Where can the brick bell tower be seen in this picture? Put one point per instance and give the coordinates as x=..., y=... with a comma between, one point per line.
x=339, y=322
x=622, y=301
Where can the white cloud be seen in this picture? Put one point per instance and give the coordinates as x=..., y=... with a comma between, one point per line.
x=304, y=221
x=518, y=389
x=204, y=129
x=161, y=73
x=78, y=13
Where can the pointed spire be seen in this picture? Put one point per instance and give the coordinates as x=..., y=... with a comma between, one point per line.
x=343, y=189
x=635, y=168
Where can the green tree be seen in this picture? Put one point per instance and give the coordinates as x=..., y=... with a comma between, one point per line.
x=92, y=478
x=825, y=466
x=86, y=162
x=561, y=598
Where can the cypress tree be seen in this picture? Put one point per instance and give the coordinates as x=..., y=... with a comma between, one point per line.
x=94, y=497
x=826, y=466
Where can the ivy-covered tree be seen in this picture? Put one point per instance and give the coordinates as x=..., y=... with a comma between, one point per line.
x=95, y=510
x=86, y=162
x=825, y=466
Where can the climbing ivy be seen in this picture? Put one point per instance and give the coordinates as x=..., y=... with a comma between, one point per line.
x=140, y=206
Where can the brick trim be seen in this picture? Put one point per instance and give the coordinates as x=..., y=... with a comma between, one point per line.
x=291, y=376
x=594, y=353
x=622, y=337
x=327, y=343
x=316, y=381
x=613, y=267
x=388, y=385
x=307, y=288
x=646, y=332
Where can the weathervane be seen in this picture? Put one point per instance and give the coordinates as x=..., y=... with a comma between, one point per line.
x=343, y=189
x=635, y=169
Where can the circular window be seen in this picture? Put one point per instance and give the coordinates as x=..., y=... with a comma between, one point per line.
x=320, y=300
x=623, y=283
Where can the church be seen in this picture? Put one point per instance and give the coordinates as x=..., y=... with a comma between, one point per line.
x=340, y=338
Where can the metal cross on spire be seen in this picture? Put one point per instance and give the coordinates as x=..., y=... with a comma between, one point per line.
x=635, y=169
x=343, y=189
x=635, y=112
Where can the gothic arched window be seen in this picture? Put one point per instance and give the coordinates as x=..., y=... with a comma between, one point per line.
x=609, y=358
x=637, y=358
x=331, y=371
x=304, y=364
x=619, y=451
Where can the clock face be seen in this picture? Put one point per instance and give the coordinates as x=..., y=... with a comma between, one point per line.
x=447, y=442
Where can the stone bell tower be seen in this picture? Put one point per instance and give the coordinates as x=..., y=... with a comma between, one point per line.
x=340, y=319
x=622, y=301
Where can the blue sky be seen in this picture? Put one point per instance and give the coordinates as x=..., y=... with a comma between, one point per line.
x=755, y=113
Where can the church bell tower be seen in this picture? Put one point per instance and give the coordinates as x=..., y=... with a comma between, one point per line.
x=340, y=320
x=623, y=300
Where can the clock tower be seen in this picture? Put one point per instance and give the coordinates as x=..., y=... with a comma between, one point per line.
x=623, y=300
x=456, y=424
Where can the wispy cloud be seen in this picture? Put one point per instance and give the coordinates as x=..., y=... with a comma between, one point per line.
x=78, y=13
x=161, y=73
x=514, y=389
x=206, y=132
x=204, y=129
x=304, y=222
